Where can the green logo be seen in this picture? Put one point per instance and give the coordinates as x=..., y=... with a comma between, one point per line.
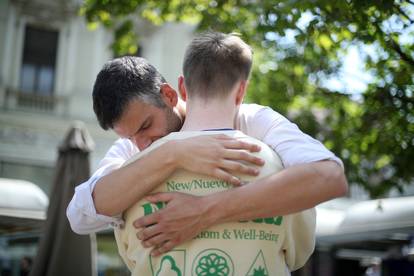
x=171, y=264
x=150, y=208
x=258, y=267
x=212, y=262
x=259, y=272
x=276, y=220
x=168, y=267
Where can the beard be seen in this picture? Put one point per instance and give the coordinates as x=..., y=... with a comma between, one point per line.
x=174, y=121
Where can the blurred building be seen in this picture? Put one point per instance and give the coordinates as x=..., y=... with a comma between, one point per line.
x=48, y=63
x=49, y=60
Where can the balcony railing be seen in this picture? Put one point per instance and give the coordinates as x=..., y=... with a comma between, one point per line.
x=15, y=99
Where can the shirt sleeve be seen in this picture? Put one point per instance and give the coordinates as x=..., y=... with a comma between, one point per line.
x=81, y=211
x=286, y=139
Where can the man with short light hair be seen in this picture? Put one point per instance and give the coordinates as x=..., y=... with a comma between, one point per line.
x=232, y=62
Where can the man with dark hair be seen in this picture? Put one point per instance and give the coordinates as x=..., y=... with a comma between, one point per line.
x=111, y=94
x=281, y=243
x=312, y=174
x=126, y=80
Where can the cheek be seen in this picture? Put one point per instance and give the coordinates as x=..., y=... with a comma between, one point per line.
x=159, y=129
x=164, y=130
x=163, y=126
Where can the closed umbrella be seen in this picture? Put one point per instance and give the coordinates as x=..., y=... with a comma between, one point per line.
x=61, y=251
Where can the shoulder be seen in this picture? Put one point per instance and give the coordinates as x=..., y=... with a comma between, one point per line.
x=291, y=144
x=256, y=111
x=256, y=120
x=273, y=162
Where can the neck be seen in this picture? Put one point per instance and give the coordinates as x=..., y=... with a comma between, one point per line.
x=212, y=114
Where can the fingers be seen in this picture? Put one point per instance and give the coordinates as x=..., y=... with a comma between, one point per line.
x=160, y=243
x=149, y=232
x=160, y=197
x=233, y=143
x=243, y=156
x=155, y=241
x=239, y=168
x=153, y=237
x=225, y=176
x=146, y=220
x=167, y=246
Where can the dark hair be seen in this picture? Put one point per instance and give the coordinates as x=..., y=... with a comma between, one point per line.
x=120, y=81
x=214, y=62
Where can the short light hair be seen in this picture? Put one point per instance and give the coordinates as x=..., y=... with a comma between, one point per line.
x=214, y=62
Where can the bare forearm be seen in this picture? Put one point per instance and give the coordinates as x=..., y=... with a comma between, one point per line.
x=118, y=190
x=292, y=190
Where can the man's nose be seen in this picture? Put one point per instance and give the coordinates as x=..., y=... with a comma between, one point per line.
x=142, y=142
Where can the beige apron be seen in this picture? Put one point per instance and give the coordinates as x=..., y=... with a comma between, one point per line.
x=257, y=247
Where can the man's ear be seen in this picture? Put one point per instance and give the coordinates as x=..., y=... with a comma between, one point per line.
x=241, y=91
x=181, y=88
x=169, y=95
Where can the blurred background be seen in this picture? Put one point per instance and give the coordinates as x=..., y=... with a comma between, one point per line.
x=342, y=70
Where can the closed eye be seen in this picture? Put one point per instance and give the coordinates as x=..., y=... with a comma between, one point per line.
x=146, y=125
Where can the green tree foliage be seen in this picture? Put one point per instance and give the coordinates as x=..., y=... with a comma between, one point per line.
x=298, y=45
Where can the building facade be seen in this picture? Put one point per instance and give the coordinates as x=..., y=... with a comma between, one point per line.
x=49, y=60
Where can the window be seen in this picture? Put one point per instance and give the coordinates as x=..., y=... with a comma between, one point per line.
x=37, y=74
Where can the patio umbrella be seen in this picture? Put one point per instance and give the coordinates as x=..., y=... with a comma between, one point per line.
x=61, y=251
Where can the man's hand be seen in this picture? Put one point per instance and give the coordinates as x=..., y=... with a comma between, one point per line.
x=218, y=156
x=183, y=218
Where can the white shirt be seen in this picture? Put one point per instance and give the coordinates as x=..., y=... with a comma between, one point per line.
x=285, y=138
